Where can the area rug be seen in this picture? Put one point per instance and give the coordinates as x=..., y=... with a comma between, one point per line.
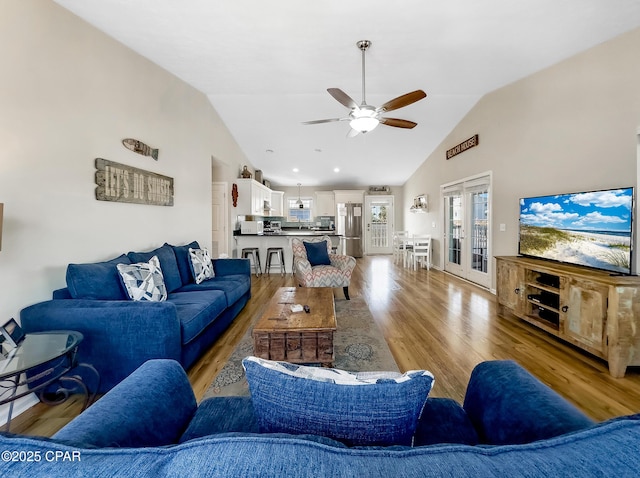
x=358, y=346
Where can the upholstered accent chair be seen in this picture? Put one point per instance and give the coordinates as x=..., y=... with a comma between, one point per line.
x=313, y=267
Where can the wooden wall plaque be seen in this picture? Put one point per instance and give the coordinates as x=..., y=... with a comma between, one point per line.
x=121, y=183
x=462, y=147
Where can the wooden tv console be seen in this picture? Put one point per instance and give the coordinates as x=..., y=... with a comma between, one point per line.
x=589, y=308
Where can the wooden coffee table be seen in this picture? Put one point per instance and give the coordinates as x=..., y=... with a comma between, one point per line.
x=297, y=337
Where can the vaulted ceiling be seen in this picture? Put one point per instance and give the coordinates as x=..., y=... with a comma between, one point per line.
x=266, y=66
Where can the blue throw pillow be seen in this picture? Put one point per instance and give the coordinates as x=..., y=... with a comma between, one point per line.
x=365, y=408
x=96, y=281
x=184, y=262
x=317, y=253
x=168, y=264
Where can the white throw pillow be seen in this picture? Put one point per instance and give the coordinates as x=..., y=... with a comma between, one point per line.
x=144, y=280
x=201, y=265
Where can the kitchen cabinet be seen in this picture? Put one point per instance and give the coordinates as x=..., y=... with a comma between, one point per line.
x=251, y=197
x=277, y=203
x=325, y=204
x=588, y=308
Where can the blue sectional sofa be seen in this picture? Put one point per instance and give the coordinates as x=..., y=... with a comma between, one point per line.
x=510, y=425
x=121, y=334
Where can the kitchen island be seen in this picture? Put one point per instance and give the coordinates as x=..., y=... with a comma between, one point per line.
x=280, y=239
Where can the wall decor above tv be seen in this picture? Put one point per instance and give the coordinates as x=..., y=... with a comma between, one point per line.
x=592, y=228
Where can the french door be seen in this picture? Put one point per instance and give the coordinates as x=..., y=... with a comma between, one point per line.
x=378, y=227
x=467, y=229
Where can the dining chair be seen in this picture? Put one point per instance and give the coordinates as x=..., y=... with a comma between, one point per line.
x=421, y=251
x=398, y=245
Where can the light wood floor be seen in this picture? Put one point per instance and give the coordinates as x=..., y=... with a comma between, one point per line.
x=431, y=321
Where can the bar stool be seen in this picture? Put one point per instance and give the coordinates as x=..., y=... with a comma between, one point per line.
x=279, y=251
x=335, y=247
x=253, y=253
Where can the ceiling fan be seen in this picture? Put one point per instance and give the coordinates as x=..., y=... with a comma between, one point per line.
x=363, y=117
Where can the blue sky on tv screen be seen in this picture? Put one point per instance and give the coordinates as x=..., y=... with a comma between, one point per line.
x=589, y=211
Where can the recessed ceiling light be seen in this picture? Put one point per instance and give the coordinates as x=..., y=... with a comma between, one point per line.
x=318, y=150
x=336, y=170
x=295, y=170
x=269, y=151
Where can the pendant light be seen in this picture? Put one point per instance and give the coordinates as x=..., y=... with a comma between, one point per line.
x=299, y=201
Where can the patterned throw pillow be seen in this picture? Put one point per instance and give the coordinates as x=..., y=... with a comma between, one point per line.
x=201, y=265
x=364, y=408
x=144, y=280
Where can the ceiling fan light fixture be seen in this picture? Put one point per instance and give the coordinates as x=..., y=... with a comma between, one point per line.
x=364, y=124
x=364, y=119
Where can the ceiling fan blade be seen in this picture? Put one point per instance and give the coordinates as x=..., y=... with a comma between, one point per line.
x=402, y=101
x=398, y=123
x=324, y=121
x=343, y=98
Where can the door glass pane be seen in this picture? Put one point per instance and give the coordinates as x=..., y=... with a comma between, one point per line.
x=455, y=229
x=479, y=226
x=379, y=225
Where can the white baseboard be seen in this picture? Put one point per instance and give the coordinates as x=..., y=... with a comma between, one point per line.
x=19, y=406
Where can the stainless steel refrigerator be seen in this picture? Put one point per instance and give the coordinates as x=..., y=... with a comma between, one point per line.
x=353, y=229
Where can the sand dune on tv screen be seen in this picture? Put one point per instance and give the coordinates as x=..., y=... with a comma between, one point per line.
x=601, y=250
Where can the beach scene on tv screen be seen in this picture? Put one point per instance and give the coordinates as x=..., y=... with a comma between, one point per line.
x=591, y=228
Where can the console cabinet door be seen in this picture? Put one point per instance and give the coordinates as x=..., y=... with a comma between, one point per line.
x=509, y=287
x=585, y=322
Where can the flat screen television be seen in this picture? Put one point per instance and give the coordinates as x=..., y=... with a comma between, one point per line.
x=592, y=229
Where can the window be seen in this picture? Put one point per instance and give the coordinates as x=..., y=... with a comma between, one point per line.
x=296, y=214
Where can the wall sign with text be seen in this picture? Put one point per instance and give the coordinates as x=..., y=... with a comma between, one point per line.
x=121, y=183
x=462, y=147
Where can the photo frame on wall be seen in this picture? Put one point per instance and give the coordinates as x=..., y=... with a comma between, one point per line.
x=12, y=333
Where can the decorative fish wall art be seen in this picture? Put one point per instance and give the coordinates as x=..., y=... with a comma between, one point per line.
x=140, y=148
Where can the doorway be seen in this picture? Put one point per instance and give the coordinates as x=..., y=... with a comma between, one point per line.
x=467, y=236
x=378, y=231
x=219, y=219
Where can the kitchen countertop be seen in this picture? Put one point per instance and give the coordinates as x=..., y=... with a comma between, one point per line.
x=303, y=232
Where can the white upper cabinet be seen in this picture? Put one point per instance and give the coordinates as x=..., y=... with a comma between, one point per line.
x=252, y=197
x=277, y=203
x=325, y=203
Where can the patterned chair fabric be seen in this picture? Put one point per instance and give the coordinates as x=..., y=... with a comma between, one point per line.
x=338, y=274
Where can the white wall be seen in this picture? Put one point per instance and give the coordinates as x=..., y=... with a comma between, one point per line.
x=70, y=94
x=571, y=127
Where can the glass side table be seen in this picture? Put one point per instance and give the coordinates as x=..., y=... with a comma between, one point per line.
x=41, y=360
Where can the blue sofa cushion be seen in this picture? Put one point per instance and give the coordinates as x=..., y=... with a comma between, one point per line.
x=317, y=253
x=608, y=450
x=354, y=408
x=233, y=286
x=126, y=417
x=506, y=414
x=183, y=261
x=197, y=310
x=168, y=264
x=97, y=281
x=443, y=420
x=222, y=415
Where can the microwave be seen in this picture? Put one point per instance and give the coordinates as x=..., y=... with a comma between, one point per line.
x=251, y=227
